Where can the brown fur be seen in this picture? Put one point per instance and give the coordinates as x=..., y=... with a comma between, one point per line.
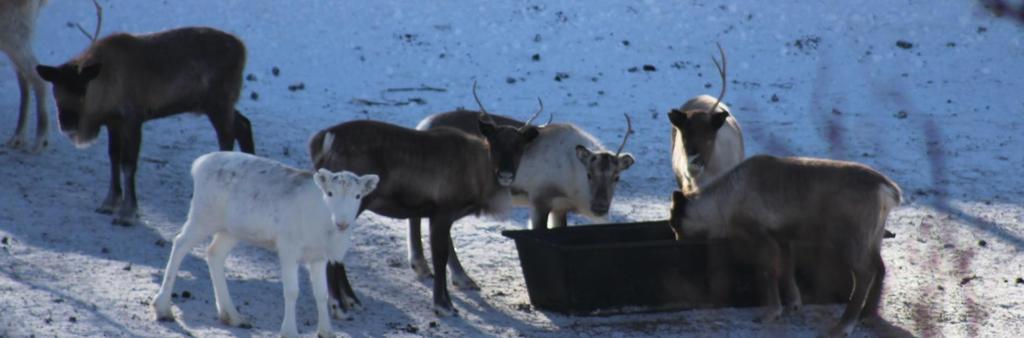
x=767, y=201
x=442, y=174
x=123, y=80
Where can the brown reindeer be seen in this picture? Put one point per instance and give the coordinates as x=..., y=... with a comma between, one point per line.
x=766, y=201
x=17, y=29
x=442, y=174
x=706, y=138
x=123, y=80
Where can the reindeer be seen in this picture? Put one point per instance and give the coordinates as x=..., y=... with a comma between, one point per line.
x=766, y=201
x=706, y=138
x=123, y=80
x=441, y=174
x=304, y=216
x=17, y=29
x=565, y=169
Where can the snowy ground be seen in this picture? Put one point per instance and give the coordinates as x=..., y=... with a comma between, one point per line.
x=807, y=78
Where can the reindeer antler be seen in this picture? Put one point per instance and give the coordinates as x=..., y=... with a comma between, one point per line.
x=722, y=68
x=541, y=103
x=629, y=130
x=99, y=23
x=477, y=98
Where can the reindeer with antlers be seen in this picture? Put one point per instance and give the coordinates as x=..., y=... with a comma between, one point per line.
x=124, y=80
x=442, y=174
x=706, y=138
x=17, y=29
x=563, y=170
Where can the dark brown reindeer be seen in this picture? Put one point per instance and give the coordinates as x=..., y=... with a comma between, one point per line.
x=706, y=138
x=442, y=174
x=765, y=202
x=123, y=80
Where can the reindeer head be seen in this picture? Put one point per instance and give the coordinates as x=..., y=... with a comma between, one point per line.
x=603, y=169
x=343, y=192
x=70, y=86
x=699, y=127
x=507, y=143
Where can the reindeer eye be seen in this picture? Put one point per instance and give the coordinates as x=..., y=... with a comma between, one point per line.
x=330, y=194
x=616, y=178
x=358, y=196
x=590, y=177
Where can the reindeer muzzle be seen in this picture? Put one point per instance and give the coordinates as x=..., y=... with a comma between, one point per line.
x=341, y=226
x=506, y=178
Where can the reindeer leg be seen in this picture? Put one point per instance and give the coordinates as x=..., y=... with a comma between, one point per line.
x=417, y=262
x=223, y=121
x=113, y=198
x=539, y=215
x=41, y=90
x=216, y=254
x=768, y=257
x=558, y=219
x=131, y=138
x=863, y=279
x=440, y=236
x=243, y=133
x=460, y=279
x=18, y=139
x=342, y=298
x=874, y=299
x=792, y=291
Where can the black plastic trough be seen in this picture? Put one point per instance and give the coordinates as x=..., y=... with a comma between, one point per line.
x=637, y=267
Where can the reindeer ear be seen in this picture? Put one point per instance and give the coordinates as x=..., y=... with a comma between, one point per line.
x=49, y=74
x=583, y=154
x=625, y=161
x=530, y=133
x=718, y=119
x=677, y=118
x=321, y=177
x=90, y=72
x=369, y=182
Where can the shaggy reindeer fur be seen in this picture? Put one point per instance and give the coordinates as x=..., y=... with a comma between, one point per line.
x=303, y=216
x=123, y=80
x=766, y=201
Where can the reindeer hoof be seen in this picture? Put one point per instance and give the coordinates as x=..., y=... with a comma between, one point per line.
x=105, y=209
x=233, y=319
x=126, y=218
x=163, y=314
x=16, y=142
x=421, y=269
x=768, y=317
x=445, y=311
x=40, y=145
x=463, y=282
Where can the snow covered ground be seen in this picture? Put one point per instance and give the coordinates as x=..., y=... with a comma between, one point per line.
x=928, y=92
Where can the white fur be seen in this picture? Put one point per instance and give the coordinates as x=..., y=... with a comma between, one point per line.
x=551, y=161
x=727, y=154
x=240, y=197
x=17, y=29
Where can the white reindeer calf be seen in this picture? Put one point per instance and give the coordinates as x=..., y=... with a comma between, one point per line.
x=304, y=216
